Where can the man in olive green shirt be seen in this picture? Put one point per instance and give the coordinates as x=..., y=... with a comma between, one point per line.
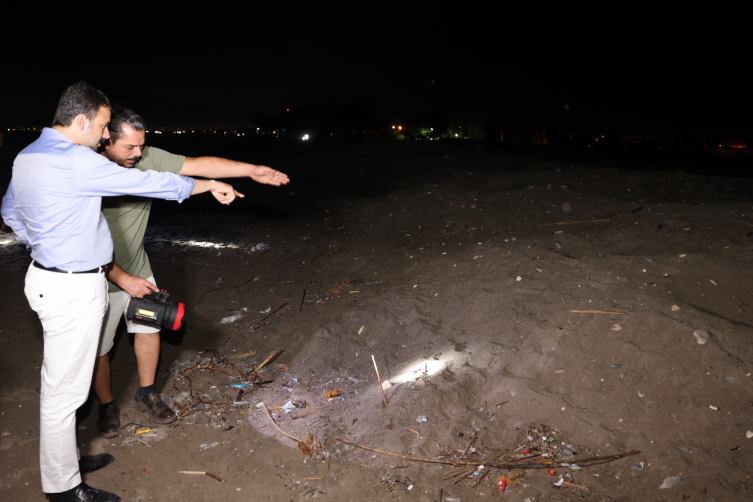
x=132, y=275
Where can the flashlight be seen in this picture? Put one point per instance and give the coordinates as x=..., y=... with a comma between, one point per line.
x=155, y=309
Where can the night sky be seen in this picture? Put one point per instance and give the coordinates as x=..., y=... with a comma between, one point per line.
x=679, y=72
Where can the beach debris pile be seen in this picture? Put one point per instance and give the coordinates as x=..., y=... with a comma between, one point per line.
x=543, y=449
x=202, y=405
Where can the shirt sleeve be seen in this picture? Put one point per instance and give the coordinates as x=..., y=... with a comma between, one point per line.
x=156, y=159
x=96, y=176
x=10, y=217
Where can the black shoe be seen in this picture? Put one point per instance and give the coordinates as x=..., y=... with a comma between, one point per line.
x=91, y=463
x=84, y=493
x=108, y=421
x=156, y=408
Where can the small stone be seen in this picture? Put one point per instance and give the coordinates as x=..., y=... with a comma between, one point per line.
x=731, y=379
x=749, y=434
x=670, y=482
x=713, y=407
x=675, y=308
x=386, y=384
x=519, y=279
x=682, y=256
x=616, y=327
x=615, y=366
x=701, y=336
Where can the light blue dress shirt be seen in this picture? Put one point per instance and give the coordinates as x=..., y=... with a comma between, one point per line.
x=54, y=201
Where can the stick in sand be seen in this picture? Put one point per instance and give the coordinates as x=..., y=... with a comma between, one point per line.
x=380, y=382
x=274, y=353
x=203, y=473
x=278, y=427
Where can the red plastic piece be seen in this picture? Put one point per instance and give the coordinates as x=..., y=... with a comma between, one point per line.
x=552, y=472
x=502, y=483
x=179, y=316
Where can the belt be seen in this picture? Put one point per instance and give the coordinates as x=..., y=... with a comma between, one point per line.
x=103, y=268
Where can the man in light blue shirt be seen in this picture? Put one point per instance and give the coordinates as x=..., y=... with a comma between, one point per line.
x=53, y=204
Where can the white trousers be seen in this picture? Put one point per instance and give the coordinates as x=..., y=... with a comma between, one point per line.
x=71, y=308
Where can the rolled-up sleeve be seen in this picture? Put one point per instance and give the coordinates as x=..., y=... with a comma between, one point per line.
x=96, y=176
x=10, y=217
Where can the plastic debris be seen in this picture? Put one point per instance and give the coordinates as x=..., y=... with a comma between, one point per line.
x=519, y=279
x=238, y=385
x=332, y=393
x=288, y=407
x=748, y=434
x=670, y=482
x=551, y=472
x=713, y=407
x=422, y=419
x=502, y=483
x=231, y=318
x=386, y=384
x=616, y=327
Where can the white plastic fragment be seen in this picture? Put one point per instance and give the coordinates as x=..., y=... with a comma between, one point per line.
x=288, y=407
x=670, y=482
x=712, y=282
x=519, y=279
x=749, y=434
x=713, y=407
x=231, y=318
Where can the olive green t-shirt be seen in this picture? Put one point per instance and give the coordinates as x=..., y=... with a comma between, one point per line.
x=127, y=216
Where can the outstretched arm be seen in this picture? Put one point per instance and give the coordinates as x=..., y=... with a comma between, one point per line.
x=216, y=167
x=221, y=191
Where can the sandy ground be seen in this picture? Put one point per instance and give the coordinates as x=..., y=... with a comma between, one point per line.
x=464, y=288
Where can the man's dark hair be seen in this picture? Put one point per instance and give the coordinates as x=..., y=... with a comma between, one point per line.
x=124, y=116
x=76, y=99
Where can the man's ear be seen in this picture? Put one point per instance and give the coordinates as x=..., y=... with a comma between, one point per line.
x=81, y=122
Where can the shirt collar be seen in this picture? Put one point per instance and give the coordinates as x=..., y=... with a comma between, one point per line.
x=54, y=134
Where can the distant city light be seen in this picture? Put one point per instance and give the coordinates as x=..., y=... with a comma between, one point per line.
x=393, y=127
x=399, y=128
x=305, y=137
